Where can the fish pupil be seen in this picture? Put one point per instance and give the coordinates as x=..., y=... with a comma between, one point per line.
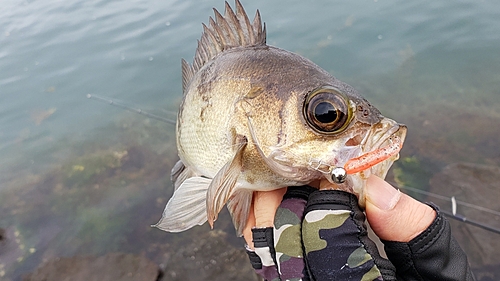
x=325, y=112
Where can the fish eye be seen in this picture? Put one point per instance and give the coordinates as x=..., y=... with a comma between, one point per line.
x=327, y=110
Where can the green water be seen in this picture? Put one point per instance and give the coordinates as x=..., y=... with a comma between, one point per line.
x=78, y=177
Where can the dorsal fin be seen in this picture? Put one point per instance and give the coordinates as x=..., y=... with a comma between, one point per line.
x=225, y=32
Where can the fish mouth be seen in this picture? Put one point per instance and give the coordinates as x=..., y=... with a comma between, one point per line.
x=379, y=149
x=380, y=146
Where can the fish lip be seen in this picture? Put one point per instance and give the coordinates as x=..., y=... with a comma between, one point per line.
x=380, y=135
x=385, y=138
x=400, y=132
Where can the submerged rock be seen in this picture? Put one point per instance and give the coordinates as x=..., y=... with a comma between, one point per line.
x=209, y=257
x=478, y=185
x=111, y=267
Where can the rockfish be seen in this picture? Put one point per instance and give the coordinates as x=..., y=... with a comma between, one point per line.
x=256, y=118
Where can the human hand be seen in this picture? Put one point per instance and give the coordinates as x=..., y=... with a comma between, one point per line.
x=405, y=225
x=262, y=211
x=323, y=227
x=395, y=216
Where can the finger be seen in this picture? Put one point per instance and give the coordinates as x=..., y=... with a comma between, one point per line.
x=247, y=231
x=395, y=216
x=265, y=205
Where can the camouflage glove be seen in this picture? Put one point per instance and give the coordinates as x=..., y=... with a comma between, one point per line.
x=318, y=235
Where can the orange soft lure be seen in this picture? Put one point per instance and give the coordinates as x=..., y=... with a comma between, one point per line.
x=367, y=160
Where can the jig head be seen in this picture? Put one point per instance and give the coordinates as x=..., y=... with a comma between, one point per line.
x=339, y=175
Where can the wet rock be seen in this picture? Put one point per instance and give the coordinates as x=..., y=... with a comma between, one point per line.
x=111, y=267
x=209, y=257
x=134, y=159
x=487, y=273
x=478, y=185
x=11, y=249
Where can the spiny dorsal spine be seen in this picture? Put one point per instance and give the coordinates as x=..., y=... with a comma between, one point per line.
x=225, y=32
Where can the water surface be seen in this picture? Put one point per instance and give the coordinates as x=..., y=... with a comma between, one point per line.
x=80, y=177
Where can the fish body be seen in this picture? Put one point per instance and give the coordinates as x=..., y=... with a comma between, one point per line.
x=263, y=86
x=257, y=118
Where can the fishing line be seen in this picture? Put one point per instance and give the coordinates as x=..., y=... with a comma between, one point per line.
x=132, y=109
x=453, y=214
x=479, y=208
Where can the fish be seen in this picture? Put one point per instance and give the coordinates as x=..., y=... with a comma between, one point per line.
x=254, y=117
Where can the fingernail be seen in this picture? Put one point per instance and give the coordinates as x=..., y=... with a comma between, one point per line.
x=381, y=194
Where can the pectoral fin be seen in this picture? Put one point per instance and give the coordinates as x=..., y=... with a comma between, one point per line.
x=187, y=206
x=239, y=208
x=221, y=187
x=180, y=173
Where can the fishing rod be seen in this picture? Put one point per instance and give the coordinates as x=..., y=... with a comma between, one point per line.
x=471, y=222
x=454, y=202
x=132, y=109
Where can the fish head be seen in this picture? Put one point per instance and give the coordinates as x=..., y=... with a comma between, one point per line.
x=332, y=126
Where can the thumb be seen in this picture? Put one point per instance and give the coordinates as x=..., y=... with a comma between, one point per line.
x=395, y=216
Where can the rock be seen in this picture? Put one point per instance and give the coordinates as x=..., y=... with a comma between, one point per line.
x=111, y=267
x=478, y=185
x=487, y=273
x=209, y=257
x=10, y=249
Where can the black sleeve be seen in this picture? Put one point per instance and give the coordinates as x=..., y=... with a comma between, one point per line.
x=432, y=255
